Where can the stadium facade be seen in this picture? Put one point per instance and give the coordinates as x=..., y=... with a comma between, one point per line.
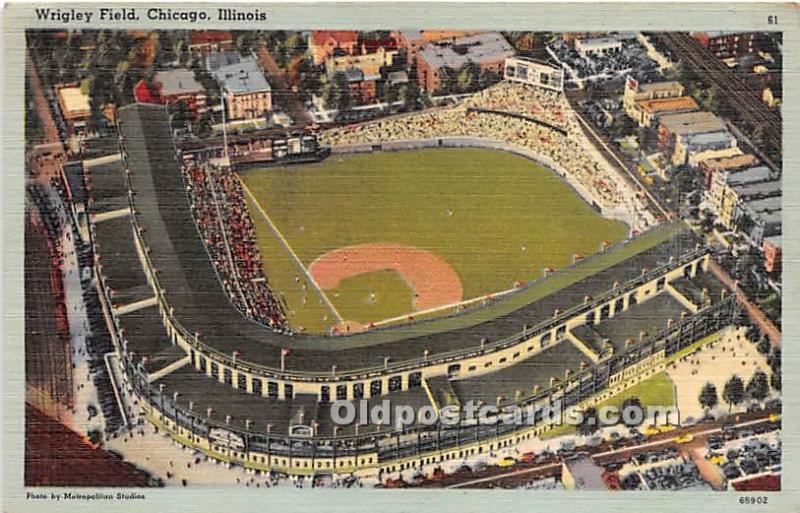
x=260, y=397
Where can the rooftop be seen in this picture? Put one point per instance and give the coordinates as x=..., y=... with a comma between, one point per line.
x=659, y=86
x=74, y=101
x=692, y=123
x=320, y=37
x=209, y=37
x=682, y=103
x=758, y=189
x=178, y=81
x=736, y=162
x=710, y=138
x=217, y=60
x=586, y=473
x=749, y=175
x=242, y=77
x=455, y=53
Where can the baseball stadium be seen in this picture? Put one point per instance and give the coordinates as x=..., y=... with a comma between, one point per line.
x=478, y=253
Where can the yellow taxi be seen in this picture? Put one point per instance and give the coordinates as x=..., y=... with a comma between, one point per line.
x=684, y=439
x=508, y=461
x=650, y=430
x=666, y=428
x=718, y=459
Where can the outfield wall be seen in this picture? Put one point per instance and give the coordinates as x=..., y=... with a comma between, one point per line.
x=620, y=213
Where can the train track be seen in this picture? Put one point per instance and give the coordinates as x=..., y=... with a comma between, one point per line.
x=748, y=105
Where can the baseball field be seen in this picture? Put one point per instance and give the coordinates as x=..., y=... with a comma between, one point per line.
x=359, y=239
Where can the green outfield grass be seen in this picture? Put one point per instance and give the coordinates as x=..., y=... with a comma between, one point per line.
x=497, y=218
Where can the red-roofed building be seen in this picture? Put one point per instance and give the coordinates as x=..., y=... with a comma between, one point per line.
x=322, y=43
x=207, y=41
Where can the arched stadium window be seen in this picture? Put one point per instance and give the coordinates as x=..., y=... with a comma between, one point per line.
x=590, y=317
x=227, y=376
x=687, y=271
x=288, y=391
x=546, y=339
x=214, y=369
x=661, y=282
x=395, y=383
x=257, y=386
x=341, y=392
x=272, y=389
x=375, y=388
x=358, y=390
x=453, y=369
x=241, y=380
x=414, y=379
x=561, y=331
x=632, y=300
x=605, y=312
x=325, y=394
x=619, y=305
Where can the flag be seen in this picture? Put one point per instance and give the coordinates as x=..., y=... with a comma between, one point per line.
x=285, y=352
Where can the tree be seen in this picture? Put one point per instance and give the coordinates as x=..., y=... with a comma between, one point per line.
x=758, y=387
x=589, y=422
x=733, y=392
x=708, y=396
x=468, y=77
x=775, y=381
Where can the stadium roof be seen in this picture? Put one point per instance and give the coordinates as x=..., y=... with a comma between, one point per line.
x=455, y=53
x=107, y=187
x=192, y=288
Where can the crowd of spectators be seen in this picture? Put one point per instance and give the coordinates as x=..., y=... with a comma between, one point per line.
x=220, y=211
x=526, y=107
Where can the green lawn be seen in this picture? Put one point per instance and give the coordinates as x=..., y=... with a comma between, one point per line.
x=656, y=391
x=495, y=217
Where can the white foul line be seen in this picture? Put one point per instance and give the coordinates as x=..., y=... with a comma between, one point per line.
x=291, y=251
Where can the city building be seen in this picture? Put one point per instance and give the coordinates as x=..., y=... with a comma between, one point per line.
x=412, y=40
x=647, y=112
x=598, y=46
x=582, y=473
x=246, y=91
x=172, y=86
x=710, y=167
x=323, y=43
x=695, y=144
x=724, y=195
x=635, y=92
x=207, y=41
x=74, y=106
x=696, y=158
x=363, y=89
x=759, y=217
x=725, y=44
x=370, y=64
x=675, y=129
x=488, y=50
x=533, y=72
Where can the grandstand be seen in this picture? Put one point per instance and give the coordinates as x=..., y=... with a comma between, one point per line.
x=246, y=390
